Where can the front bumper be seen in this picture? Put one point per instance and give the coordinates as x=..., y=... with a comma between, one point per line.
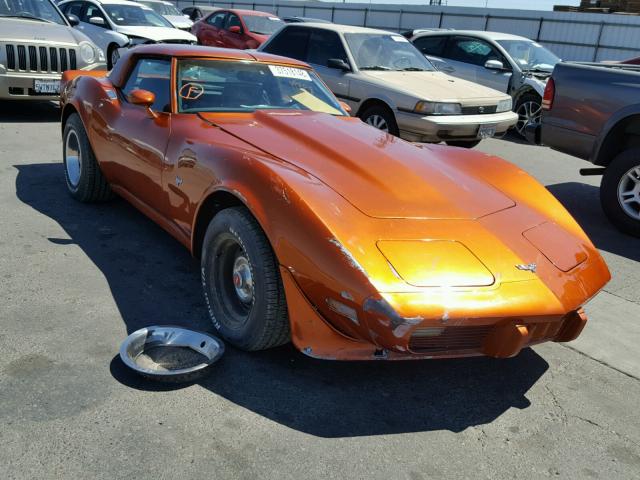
x=20, y=85
x=434, y=128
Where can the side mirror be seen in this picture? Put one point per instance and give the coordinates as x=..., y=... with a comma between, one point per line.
x=345, y=106
x=143, y=98
x=494, y=65
x=235, y=29
x=338, y=64
x=97, y=21
x=73, y=19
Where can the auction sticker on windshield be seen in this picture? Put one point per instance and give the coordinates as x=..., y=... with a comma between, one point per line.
x=46, y=86
x=288, y=72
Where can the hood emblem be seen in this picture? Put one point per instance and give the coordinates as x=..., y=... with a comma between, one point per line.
x=530, y=267
x=480, y=109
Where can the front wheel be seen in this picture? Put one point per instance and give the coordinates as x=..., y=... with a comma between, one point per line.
x=241, y=281
x=463, y=143
x=529, y=110
x=112, y=56
x=381, y=118
x=620, y=192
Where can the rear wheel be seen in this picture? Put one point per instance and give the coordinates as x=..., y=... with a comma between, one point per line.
x=381, y=118
x=529, y=110
x=620, y=192
x=463, y=143
x=241, y=282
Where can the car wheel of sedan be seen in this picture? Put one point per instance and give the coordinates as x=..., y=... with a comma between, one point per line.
x=529, y=110
x=241, y=281
x=112, y=56
x=85, y=181
x=620, y=192
x=380, y=118
x=463, y=144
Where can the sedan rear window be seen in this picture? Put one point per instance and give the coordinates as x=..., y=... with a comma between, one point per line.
x=235, y=86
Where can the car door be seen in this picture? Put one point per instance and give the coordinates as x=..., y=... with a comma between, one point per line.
x=100, y=34
x=235, y=39
x=210, y=30
x=323, y=46
x=139, y=139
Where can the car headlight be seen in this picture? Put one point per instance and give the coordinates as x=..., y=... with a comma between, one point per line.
x=438, y=108
x=504, y=105
x=88, y=53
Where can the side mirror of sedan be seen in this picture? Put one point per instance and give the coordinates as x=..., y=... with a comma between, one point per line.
x=494, y=65
x=73, y=19
x=235, y=29
x=97, y=21
x=338, y=64
x=143, y=98
x=345, y=106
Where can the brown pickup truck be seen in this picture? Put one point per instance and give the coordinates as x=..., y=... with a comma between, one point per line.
x=592, y=111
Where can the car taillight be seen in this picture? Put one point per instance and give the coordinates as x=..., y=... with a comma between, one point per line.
x=549, y=93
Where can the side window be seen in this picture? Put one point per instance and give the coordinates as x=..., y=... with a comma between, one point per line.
x=431, y=45
x=290, y=42
x=232, y=21
x=472, y=51
x=154, y=75
x=217, y=19
x=323, y=45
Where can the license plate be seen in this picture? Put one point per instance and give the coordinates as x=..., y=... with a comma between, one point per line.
x=486, y=131
x=46, y=86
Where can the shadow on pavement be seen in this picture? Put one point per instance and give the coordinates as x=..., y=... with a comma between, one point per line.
x=583, y=202
x=154, y=280
x=29, y=112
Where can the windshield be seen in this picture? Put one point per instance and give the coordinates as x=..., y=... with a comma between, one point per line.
x=233, y=86
x=162, y=8
x=379, y=51
x=530, y=55
x=262, y=25
x=37, y=10
x=134, y=16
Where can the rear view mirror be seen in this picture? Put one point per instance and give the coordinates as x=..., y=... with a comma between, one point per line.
x=97, y=21
x=338, y=64
x=73, y=19
x=143, y=98
x=235, y=29
x=494, y=65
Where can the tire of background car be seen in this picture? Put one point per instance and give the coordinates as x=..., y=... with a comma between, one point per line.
x=529, y=109
x=82, y=173
x=241, y=282
x=623, y=175
x=112, y=55
x=463, y=143
x=381, y=118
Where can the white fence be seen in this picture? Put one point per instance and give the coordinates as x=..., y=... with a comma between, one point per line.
x=572, y=36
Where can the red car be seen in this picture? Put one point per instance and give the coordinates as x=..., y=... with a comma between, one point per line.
x=240, y=29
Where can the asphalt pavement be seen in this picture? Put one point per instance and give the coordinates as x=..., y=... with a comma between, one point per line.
x=76, y=279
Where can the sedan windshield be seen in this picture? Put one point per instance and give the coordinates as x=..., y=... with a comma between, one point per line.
x=134, y=16
x=262, y=25
x=530, y=55
x=162, y=8
x=35, y=10
x=381, y=51
x=233, y=86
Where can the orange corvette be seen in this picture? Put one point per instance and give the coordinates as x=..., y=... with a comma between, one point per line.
x=313, y=226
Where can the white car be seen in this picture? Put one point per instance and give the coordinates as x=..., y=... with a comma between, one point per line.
x=117, y=24
x=170, y=12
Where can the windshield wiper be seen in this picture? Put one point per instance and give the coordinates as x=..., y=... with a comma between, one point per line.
x=374, y=67
x=413, y=69
x=29, y=17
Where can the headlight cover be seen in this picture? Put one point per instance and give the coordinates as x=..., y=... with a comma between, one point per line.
x=438, y=108
x=88, y=54
x=505, y=105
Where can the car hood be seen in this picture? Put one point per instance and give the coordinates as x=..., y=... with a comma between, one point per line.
x=379, y=174
x=30, y=31
x=435, y=86
x=179, y=21
x=158, y=34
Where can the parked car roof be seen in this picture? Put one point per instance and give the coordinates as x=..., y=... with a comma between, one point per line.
x=475, y=33
x=295, y=19
x=336, y=27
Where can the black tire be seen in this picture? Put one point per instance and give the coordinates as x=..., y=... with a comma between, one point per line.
x=617, y=172
x=84, y=178
x=376, y=112
x=110, y=51
x=528, y=105
x=235, y=238
x=463, y=143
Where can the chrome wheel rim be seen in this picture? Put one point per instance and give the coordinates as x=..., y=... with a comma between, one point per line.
x=378, y=122
x=629, y=193
x=73, y=158
x=529, y=113
x=242, y=279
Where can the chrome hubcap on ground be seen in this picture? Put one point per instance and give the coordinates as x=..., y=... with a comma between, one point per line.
x=242, y=279
x=629, y=193
x=73, y=158
x=378, y=122
x=529, y=113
